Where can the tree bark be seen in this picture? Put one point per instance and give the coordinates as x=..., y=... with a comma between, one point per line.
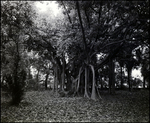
x=46, y=81
x=121, y=65
x=83, y=33
x=16, y=90
x=63, y=72
x=143, y=81
x=101, y=82
x=130, y=64
x=88, y=80
x=78, y=84
x=37, y=79
x=69, y=82
x=54, y=79
x=129, y=79
x=94, y=94
x=85, y=89
x=111, y=77
x=121, y=79
x=55, y=85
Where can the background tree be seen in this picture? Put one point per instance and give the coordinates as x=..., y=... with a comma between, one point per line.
x=16, y=21
x=103, y=28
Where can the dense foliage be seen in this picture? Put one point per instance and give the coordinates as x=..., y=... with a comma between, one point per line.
x=16, y=21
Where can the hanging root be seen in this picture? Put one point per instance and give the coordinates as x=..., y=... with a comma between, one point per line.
x=98, y=92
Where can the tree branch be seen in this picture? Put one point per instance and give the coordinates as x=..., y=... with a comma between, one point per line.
x=83, y=33
x=66, y=12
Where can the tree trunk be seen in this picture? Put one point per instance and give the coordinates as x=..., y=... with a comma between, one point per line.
x=121, y=65
x=143, y=81
x=85, y=89
x=88, y=80
x=129, y=81
x=101, y=82
x=121, y=79
x=29, y=76
x=129, y=65
x=46, y=81
x=2, y=80
x=54, y=79
x=69, y=83
x=17, y=92
x=82, y=82
x=55, y=85
x=78, y=84
x=59, y=78
x=94, y=94
x=63, y=72
x=37, y=79
x=83, y=33
x=111, y=77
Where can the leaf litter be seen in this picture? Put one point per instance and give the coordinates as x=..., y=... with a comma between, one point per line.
x=46, y=106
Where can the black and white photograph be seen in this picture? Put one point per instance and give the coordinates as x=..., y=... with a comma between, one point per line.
x=75, y=61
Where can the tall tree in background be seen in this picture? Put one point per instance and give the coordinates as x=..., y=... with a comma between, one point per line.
x=112, y=31
x=16, y=21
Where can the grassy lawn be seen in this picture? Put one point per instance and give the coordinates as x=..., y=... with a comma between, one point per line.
x=44, y=106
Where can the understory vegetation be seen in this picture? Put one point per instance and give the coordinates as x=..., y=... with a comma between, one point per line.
x=45, y=106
